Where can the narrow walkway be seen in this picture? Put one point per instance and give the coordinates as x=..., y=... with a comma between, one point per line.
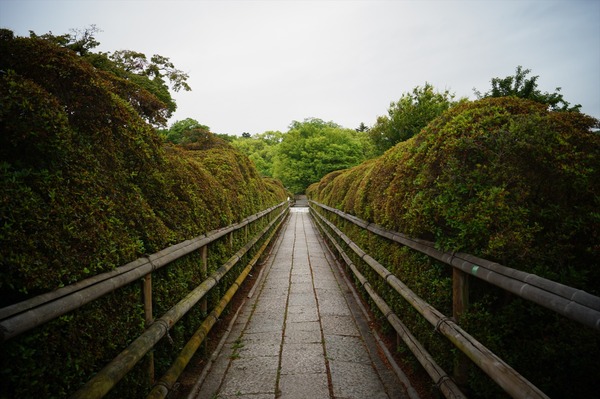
x=301, y=335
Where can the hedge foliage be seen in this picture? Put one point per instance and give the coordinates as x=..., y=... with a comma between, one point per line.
x=507, y=180
x=86, y=185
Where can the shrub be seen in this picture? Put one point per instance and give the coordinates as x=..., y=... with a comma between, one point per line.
x=510, y=181
x=86, y=185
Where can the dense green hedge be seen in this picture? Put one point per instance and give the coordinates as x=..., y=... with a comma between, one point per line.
x=509, y=181
x=87, y=185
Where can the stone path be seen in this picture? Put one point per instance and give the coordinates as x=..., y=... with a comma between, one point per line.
x=301, y=335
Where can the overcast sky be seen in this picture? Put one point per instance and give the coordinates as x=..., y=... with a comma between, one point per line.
x=256, y=66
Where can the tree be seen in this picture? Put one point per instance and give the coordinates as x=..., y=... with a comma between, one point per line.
x=519, y=86
x=313, y=148
x=158, y=68
x=260, y=148
x=271, y=137
x=80, y=40
x=151, y=75
x=175, y=134
x=362, y=128
x=230, y=138
x=154, y=102
x=192, y=135
x=409, y=115
x=308, y=151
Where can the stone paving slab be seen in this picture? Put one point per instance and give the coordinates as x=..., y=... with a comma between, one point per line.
x=346, y=349
x=303, y=386
x=303, y=358
x=356, y=380
x=295, y=335
x=340, y=325
x=300, y=335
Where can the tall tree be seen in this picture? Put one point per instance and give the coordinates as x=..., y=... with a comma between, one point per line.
x=152, y=74
x=521, y=86
x=139, y=80
x=362, y=128
x=409, y=115
x=79, y=40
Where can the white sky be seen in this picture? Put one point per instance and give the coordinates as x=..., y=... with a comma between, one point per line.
x=256, y=66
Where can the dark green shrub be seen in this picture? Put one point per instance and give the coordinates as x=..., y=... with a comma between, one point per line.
x=507, y=180
x=86, y=186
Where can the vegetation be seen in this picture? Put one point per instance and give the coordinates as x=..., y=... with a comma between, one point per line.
x=261, y=149
x=508, y=180
x=409, y=115
x=313, y=148
x=307, y=152
x=142, y=82
x=86, y=185
x=519, y=86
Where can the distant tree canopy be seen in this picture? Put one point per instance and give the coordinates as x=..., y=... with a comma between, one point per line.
x=261, y=149
x=409, y=115
x=307, y=152
x=362, y=127
x=313, y=148
x=183, y=131
x=519, y=86
x=192, y=135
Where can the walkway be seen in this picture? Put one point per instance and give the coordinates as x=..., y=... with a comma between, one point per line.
x=301, y=334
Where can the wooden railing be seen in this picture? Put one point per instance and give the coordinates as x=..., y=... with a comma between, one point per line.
x=572, y=303
x=21, y=317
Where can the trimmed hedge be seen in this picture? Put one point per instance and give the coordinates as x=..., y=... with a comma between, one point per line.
x=86, y=185
x=509, y=181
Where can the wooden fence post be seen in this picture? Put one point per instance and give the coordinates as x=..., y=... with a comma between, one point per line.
x=460, y=305
x=148, y=319
x=204, y=274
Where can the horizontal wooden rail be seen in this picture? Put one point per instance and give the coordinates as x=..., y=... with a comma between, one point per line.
x=570, y=302
x=162, y=388
x=505, y=376
x=437, y=374
x=112, y=373
x=20, y=317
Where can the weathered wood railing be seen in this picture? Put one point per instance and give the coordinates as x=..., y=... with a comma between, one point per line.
x=18, y=318
x=572, y=303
